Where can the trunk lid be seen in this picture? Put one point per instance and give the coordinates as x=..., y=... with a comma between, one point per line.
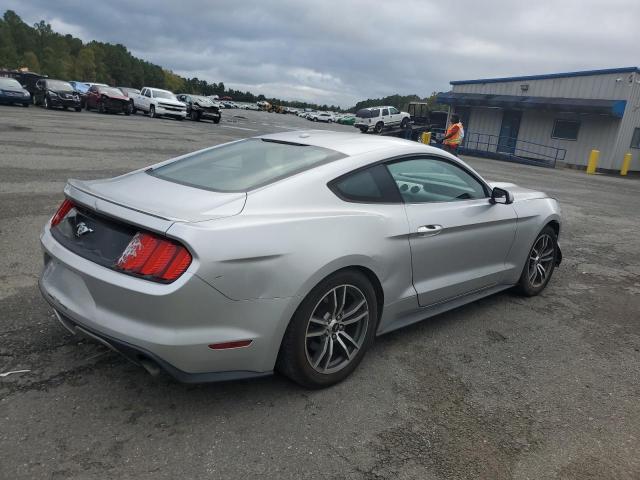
x=160, y=198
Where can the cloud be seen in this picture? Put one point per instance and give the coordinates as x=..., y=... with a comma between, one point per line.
x=340, y=51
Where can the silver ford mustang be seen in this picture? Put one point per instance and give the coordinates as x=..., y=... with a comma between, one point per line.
x=289, y=251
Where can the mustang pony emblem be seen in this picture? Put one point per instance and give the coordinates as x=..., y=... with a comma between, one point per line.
x=82, y=228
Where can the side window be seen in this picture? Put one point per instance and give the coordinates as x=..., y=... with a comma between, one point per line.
x=394, y=111
x=372, y=185
x=385, y=112
x=375, y=112
x=423, y=180
x=147, y=93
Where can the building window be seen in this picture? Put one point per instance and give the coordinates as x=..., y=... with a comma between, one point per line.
x=565, y=130
x=635, y=140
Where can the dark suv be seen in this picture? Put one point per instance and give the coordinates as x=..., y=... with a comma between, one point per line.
x=56, y=93
x=200, y=108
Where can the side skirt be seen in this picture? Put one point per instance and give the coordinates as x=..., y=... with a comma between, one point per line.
x=423, y=313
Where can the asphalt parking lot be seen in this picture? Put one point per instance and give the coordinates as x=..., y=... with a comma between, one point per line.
x=506, y=388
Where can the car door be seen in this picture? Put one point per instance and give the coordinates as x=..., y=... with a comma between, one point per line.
x=39, y=92
x=92, y=95
x=145, y=99
x=386, y=118
x=459, y=241
x=395, y=116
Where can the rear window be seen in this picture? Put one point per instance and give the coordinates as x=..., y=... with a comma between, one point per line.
x=367, y=113
x=244, y=165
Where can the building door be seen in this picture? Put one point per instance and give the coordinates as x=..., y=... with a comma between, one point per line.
x=509, y=131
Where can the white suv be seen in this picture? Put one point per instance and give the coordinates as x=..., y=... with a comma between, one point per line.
x=377, y=118
x=321, y=117
x=159, y=103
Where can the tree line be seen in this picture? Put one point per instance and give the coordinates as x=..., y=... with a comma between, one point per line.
x=66, y=57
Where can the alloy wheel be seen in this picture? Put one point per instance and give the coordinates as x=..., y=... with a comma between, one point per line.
x=541, y=260
x=337, y=329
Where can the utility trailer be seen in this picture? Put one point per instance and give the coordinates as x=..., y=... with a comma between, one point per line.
x=422, y=120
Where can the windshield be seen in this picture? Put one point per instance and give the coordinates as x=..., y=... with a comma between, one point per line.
x=163, y=94
x=244, y=165
x=58, y=85
x=111, y=91
x=10, y=83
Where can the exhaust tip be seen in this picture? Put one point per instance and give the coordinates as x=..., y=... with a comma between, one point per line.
x=150, y=366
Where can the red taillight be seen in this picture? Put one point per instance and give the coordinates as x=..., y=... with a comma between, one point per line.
x=154, y=257
x=62, y=212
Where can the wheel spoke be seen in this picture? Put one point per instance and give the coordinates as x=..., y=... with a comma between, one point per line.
x=324, y=349
x=319, y=321
x=533, y=272
x=546, y=256
x=355, y=319
x=543, y=272
x=349, y=339
x=354, y=309
x=343, y=301
x=344, y=347
x=315, y=334
x=330, y=354
x=335, y=301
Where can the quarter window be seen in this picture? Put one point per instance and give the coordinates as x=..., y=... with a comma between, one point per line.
x=372, y=185
x=422, y=180
x=635, y=140
x=565, y=130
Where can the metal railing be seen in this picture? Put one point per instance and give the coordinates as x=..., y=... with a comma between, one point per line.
x=506, y=148
x=511, y=149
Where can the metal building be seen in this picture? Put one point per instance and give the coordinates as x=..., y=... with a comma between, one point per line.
x=552, y=119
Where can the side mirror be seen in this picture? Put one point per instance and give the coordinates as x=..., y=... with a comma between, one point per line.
x=500, y=195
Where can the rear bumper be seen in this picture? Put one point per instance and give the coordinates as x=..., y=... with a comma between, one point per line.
x=168, y=324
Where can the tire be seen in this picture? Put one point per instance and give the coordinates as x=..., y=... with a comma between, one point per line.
x=315, y=119
x=65, y=108
x=364, y=130
x=86, y=106
x=132, y=108
x=46, y=103
x=404, y=123
x=33, y=100
x=194, y=116
x=179, y=118
x=378, y=128
x=25, y=105
x=152, y=112
x=127, y=111
x=101, y=108
x=216, y=120
x=78, y=109
x=317, y=349
x=540, y=263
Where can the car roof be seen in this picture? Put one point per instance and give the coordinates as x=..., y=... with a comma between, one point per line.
x=347, y=143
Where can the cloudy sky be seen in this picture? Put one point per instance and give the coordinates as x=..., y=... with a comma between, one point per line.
x=341, y=51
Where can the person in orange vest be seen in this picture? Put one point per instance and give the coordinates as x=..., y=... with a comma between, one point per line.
x=454, y=135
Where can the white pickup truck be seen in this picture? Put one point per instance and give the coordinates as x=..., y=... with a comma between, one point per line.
x=159, y=103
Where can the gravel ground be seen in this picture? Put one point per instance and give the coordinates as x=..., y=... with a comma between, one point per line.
x=506, y=388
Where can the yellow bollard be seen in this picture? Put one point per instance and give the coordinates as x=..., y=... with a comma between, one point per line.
x=626, y=163
x=426, y=138
x=593, y=161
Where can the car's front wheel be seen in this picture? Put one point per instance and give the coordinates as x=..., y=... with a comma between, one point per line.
x=404, y=123
x=47, y=103
x=378, y=128
x=152, y=111
x=330, y=331
x=541, y=263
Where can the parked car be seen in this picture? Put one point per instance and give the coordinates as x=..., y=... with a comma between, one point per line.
x=11, y=92
x=107, y=100
x=347, y=119
x=129, y=93
x=200, y=108
x=56, y=93
x=321, y=117
x=378, y=118
x=289, y=251
x=159, y=103
x=82, y=88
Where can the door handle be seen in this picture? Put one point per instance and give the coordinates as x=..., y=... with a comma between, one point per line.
x=427, y=230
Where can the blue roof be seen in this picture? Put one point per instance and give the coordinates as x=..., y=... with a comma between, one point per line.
x=583, y=73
